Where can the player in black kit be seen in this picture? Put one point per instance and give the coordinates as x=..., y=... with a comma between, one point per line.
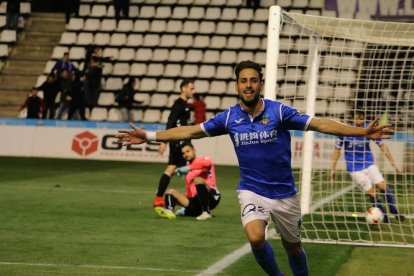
x=179, y=116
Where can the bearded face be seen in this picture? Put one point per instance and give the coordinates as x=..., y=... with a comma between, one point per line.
x=249, y=87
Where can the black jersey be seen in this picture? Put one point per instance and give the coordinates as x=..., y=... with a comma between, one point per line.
x=179, y=115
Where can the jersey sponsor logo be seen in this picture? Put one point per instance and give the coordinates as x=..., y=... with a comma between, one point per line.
x=238, y=121
x=252, y=208
x=253, y=138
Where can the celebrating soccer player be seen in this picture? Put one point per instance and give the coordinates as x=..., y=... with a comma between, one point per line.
x=259, y=129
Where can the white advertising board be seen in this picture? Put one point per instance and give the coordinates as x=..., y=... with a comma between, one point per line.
x=99, y=143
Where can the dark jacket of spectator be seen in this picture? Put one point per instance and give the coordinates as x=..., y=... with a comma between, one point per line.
x=34, y=104
x=93, y=83
x=77, y=94
x=13, y=6
x=12, y=14
x=125, y=97
x=50, y=90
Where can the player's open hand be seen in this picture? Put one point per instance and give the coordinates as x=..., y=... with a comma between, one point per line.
x=182, y=170
x=397, y=170
x=162, y=148
x=129, y=137
x=375, y=131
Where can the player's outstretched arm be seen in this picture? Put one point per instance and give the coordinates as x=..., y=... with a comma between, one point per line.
x=388, y=154
x=329, y=126
x=138, y=136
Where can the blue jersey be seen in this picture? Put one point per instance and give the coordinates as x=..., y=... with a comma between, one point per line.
x=262, y=145
x=358, y=155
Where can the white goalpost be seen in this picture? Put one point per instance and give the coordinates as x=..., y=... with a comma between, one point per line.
x=332, y=67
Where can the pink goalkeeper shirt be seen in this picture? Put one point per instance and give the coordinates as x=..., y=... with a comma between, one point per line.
x=200, y=167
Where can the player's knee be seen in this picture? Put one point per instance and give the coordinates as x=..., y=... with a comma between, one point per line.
x=256, y=241
x=256, y=238
x=170, y=191
x=371, y=192
x=382, y=186
x=292, y=249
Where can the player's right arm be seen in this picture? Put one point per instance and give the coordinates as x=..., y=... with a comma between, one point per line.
x=335, y=156
x=139, y=136
x=388, y=154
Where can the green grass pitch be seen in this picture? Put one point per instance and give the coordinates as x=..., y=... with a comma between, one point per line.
x=74, y=217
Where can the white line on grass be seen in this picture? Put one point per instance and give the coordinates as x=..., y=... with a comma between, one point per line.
x=226, y=261
x=100, y=267
x=328, y=199
x=51, y=188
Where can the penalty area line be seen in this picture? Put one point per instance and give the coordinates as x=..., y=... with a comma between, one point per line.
x=226, y=261
x=99, y=267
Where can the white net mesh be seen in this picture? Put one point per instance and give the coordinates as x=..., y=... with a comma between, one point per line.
x=360, y=66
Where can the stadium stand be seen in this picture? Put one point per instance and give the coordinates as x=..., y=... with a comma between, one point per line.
x=164, y=41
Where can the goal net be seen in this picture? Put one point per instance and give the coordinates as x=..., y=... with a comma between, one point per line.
x=331, y=67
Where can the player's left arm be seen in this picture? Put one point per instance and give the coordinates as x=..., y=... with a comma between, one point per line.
x=335, y=156
x=388, y=155
x=201, y=163
x=372, y=131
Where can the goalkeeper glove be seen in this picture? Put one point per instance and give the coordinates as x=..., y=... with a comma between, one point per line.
x=182, y=170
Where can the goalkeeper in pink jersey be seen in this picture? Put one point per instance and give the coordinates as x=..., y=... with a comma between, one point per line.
x=201, y=195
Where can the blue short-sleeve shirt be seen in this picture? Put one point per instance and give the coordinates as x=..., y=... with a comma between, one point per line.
x=262, y=145
x=358, y=154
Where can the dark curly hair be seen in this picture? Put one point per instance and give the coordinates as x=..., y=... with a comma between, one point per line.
x=248, y=64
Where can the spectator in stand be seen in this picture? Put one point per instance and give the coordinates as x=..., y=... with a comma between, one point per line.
x=50, y=90
x=34, y=104
x=71, y=6
x=92, y=83
x=125, y=97
x=78, y=97
x=121, y=6
x=254, y=4
x=65, y=83
x=64, y=63
x=94, y=51
x=199, y=107
x=12, y=14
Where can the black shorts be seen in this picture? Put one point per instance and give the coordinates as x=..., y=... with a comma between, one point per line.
x=194, y=207
x=176, y=157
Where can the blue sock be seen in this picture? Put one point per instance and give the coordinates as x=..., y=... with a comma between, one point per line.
x=299, y=265
x=391, y=202
x=265, y=257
